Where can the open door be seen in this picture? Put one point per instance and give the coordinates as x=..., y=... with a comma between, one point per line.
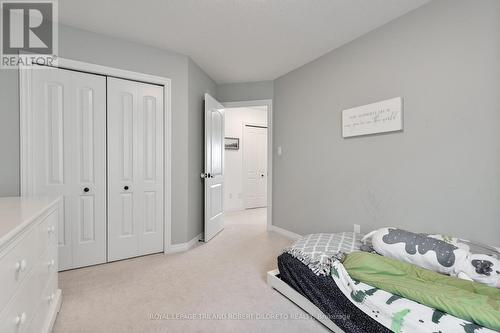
x=214, y=167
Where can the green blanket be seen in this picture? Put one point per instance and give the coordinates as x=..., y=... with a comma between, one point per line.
x=467, y=300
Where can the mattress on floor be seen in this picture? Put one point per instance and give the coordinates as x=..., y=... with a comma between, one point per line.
x=324, y=293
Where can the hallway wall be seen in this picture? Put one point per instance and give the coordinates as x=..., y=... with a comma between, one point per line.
x=234, y=178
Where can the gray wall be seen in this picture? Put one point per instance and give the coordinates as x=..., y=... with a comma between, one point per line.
x=199, y=84
x=86, y=46
x=248, y=91
x=442, y=174
x=9, y=132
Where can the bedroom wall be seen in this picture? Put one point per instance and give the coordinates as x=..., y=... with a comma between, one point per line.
x=95, y=48
x=9, y=132
x=442, y=174
x=245, y=91
x=235, y=120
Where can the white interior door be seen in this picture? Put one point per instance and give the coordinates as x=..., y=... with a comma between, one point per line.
x=214, y=167
x=255, y=166
x=69, y=131
x=135, y=169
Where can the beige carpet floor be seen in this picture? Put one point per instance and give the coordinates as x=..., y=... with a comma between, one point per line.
x=225, y=277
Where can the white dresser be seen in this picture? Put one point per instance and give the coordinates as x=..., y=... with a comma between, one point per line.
x=29, y=295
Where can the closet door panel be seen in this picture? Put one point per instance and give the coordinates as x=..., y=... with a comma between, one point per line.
x=54, y=103
x=135, y=169
x=122, y=169
x=69, y=110
x=89, y=229
x=50, y=106
x=151, y=128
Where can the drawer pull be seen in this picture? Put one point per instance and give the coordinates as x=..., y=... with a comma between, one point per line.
x=21, y=265
x=51, y=229
x=20, y=319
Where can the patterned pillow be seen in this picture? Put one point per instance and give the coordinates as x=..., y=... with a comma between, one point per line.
x=442, y=254
x=418, y=249
x=469, y=246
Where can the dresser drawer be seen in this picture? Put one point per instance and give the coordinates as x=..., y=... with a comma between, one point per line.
x=47, y=232
x=28, y=263
x=20, y=311
x=46, y=305
x=47, y=266
x=15, y=265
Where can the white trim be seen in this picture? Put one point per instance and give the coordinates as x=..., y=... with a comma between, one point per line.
x=25, y=140
x=270, y=149
x=283, y=288
x=174, y=248
x=111, y=71
x=26, y=151
x=284, y=232
x=248, y=104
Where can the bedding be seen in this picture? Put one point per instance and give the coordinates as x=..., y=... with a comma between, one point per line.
x=312, y=261
x=469, y=246
x=398, y=313
x=318, y=251
x=356, y=307
x=438, y=253
x=470, y=301
x=322, y=291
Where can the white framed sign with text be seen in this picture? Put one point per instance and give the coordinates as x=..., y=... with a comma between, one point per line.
x=381, y=117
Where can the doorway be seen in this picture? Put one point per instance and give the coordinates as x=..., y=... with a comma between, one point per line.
x=247, y=162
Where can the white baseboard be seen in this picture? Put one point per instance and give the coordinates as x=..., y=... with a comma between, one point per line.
x=184, y=246
x=284, y=232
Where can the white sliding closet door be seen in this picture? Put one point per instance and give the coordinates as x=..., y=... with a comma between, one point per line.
x=69, y=131
x=135, y=169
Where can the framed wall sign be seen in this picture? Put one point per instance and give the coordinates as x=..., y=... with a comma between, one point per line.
x=381, y=117
x=231, y=143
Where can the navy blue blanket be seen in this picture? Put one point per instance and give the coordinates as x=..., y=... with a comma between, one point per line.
x=324, y=293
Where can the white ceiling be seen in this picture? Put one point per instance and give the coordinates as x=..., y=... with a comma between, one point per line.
x=237, y=40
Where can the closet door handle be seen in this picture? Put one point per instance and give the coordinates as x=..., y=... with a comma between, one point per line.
x=86, y=189
x=126, y=187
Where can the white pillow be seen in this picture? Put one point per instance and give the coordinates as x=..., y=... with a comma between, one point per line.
x=481, y=268
x=438, y=253
x=417, y=249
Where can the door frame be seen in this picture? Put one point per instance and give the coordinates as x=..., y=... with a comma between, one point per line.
x=26, y=120
x=269, y=104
